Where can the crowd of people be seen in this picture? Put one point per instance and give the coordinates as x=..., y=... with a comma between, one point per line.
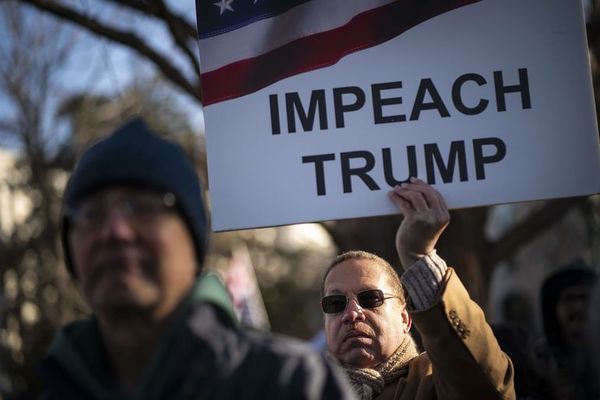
x=134, y=234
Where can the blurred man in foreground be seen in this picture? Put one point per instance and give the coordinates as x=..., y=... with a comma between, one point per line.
x=134, y=237
x=368, y=317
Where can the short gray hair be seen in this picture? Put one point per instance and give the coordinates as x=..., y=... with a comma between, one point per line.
x=391, y=274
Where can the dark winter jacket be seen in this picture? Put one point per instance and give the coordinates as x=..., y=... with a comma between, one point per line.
x=205, y=355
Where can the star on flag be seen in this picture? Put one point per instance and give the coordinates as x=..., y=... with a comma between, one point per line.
x=224, y=5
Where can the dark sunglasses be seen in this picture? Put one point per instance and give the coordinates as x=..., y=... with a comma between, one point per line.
x=372, y=298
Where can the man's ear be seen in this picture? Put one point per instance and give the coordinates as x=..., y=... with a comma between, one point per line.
x=406, y=320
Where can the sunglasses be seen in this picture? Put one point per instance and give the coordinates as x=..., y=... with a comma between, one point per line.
x=372, y=298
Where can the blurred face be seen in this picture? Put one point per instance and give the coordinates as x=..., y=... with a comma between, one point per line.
x=132, y=252
x=358, y=336
x=572, y=311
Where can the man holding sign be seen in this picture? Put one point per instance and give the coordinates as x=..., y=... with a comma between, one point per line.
x=367, y=317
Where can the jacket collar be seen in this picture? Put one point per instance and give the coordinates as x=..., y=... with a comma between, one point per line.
x=78, y=348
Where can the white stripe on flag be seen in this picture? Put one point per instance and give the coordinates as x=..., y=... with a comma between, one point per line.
x=268, y=34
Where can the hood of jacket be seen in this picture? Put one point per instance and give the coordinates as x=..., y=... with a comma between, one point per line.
x=573, y=274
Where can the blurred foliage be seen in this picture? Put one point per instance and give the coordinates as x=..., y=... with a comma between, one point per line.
x=37, y=297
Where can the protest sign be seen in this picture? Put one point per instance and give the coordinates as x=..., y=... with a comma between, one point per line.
x=314, y=109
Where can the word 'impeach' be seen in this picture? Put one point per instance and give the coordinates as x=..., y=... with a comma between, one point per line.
x=353, y=98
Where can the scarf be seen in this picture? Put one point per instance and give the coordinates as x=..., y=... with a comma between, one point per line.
x=369, y=382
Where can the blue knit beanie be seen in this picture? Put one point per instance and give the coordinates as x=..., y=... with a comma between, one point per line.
x=134, y=155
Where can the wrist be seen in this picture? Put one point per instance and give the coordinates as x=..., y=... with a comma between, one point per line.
x=408, y=258
x=423, y=281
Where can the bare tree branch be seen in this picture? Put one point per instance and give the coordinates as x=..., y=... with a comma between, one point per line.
x=176, y=27
x=125, y=38
x=181, y=30
x=150, y=7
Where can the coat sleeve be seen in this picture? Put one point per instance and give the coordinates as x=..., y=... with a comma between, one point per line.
x=466, y=359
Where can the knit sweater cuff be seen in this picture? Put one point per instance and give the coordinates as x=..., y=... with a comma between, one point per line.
x=423, y=280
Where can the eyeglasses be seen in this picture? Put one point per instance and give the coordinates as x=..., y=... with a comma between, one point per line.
x=137, y=207
x=372, y=298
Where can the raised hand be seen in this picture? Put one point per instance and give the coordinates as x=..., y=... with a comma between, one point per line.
x=425, y=218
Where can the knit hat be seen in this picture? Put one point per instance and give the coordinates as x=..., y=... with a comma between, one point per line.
x=135, y=156
x=573, y=274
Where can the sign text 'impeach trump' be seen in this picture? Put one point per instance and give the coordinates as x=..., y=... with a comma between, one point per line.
x=314, y=109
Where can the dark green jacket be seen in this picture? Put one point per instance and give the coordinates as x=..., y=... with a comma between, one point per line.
x=205, y=355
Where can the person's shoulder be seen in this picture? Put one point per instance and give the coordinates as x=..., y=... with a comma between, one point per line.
x=214, y=326
x=80, y=327
x=302, y=370
x=278, y=343
x=289, y=352
x=263, y=364
x=422, y=364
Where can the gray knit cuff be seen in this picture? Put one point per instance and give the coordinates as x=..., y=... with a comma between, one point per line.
x=423, y=280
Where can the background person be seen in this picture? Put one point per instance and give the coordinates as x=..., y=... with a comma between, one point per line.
x=563, y=352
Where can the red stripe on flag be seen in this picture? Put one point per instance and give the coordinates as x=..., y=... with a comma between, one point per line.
x=322, y=49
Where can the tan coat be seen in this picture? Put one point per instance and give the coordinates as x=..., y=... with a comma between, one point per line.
x=462, y=359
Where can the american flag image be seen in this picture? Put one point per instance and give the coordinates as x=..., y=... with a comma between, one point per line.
x=246, y=45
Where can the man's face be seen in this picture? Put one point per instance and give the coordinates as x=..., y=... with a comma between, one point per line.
x=131, y=252
x=572, y=311
x=362, y=337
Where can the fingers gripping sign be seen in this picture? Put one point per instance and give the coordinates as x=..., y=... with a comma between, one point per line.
x=425, y=218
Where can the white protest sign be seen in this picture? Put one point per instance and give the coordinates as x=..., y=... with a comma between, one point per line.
x=313, y=114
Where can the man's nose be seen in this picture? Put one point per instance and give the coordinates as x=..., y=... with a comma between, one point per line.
x=116, y=225
x=353, y=312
